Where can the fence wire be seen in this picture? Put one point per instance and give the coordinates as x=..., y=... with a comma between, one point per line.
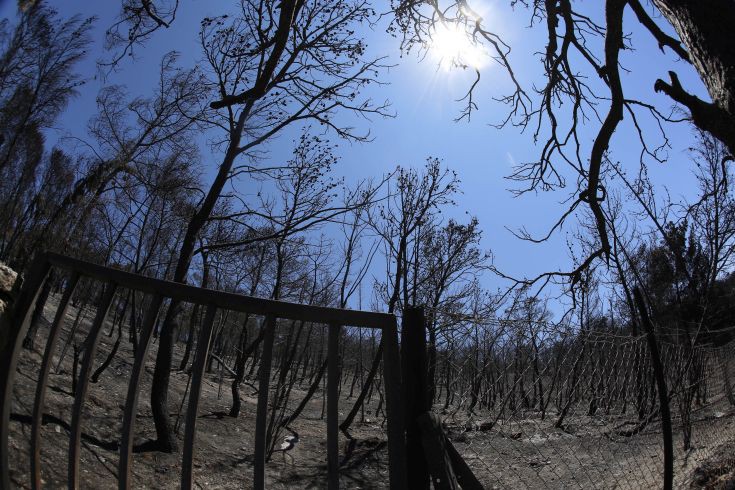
x=541, y=407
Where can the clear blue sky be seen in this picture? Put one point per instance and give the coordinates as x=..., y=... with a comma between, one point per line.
x=423, y=97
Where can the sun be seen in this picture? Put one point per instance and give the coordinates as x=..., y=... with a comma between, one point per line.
x=452, y=46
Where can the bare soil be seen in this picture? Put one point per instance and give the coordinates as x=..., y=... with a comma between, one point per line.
x=523, y=452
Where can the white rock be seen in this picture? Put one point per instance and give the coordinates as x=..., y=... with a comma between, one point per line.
x=7, y=278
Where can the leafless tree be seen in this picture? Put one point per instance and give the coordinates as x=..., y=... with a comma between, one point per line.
x=37, y=80
x=582, y=72
x=136, y=23
x=397, y=223
x=272, y=68
x=450, y=262
x=137, y=131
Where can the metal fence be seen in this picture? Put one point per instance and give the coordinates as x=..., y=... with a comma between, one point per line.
x=111, y=281
x=527, y=405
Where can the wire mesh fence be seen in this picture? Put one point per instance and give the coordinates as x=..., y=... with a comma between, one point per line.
x=543, y=407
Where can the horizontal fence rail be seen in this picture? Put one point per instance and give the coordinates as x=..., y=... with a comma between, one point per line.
x=212, y=301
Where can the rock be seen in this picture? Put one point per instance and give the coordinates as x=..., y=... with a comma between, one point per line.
x=700, y=476
x=537, y=463
x=8, y=278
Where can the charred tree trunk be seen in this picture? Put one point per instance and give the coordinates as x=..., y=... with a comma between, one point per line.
x=96, y=375
x=166, y=441
x=190, y=339
x=704, y=27
x=240, y=370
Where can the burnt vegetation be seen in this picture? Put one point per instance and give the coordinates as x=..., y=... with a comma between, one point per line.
x=562, y=377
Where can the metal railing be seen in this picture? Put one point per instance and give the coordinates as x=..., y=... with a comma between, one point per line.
x=212, y=300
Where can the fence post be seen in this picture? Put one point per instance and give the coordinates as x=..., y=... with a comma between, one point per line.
x=80, y=394
x=264, y=378
x=10, y=344
x=131, y=401
x=416, y=402
x=663, y=395
x=333, y=374
x=393, y=406
x=197, y=375
x=435, y=448
x=39, y=399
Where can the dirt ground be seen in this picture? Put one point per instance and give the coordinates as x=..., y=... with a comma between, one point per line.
x=525, y=452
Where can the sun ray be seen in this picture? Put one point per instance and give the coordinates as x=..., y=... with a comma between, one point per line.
x=452, y=46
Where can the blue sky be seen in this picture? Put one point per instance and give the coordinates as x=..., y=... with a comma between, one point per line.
x=424, y=99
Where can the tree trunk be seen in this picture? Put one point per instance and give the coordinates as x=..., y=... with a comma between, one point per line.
x=190, y=339
x=363, y=393
x=240, y=370
x=166, y=441
x=704, y=27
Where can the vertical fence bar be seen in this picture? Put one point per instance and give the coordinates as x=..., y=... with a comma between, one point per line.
x=197, y=373
x=264, y=375
x=131, y=401
x=333, y=407
x=90, y=350
x=663, y=395
x=10, y=345
x=20, y=321
x=40, y=398
x=415, y=392
x=724, y=359
x=393, y=406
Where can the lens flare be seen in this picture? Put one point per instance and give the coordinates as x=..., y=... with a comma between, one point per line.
x=453, y=46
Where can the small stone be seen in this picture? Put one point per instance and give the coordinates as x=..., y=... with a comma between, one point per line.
x=700, y=476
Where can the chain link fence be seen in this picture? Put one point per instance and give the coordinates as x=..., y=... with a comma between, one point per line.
x=542, y=407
